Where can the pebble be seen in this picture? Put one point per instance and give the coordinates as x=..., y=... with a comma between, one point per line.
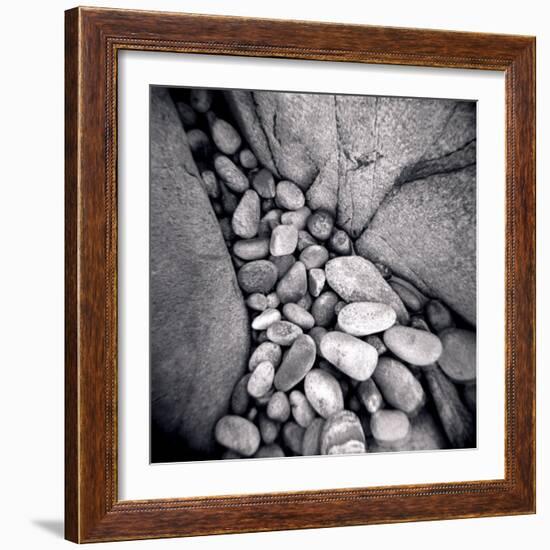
x=283, y=333
x=278, y=407
x=231, y=174
x=251, y=249
x=257, y=301
x=264, y=184
x=370, y=395
x=269, y=429
x=311, y=443
x=388, y=426
x=314, y=256
x=252, y=414
x=413, y=300
x=339, y=307
x=305, y=240
x=270, y=451
x=377, y=343
x=248, y=159
x=340, y=243
x=363, y=318
x=414, y=346
x=305, y=301
x=211, y=184
x=356, y=279
x=323, y=308
x=273, y=300
x=320, y=224
x=267, y=205
x=438, y=315
x=187, y=114
x=317, y=334
x=323, y=392
x=268, y=222
x=229, y=200
x=417, y=321
x=289, y=196
x=302, y=411
x=283, y=263
x=297, y=218
x=284, y=240
x=266, y=351
x=299, y=316
x=351, y=355
x=293, y=436
x=226, y=229
x=240, y=398
x=316, y=281
x=296, y=363
x=237, y=434
x=266, y=318
x=200, y=100
x=458, y=360
x=399, y=386
x=246, y=217
x=261, y=379
x=225, y=137
x=343, y=434
x=293, y=285
x=199, y=143
x=257, y=276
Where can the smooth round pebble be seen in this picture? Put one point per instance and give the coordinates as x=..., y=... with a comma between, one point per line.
x=257, y=301
x=266, y=318
x=317, y=334
x=316, y=281
x=417, y=321
x=289, y=196
x=246, y=217
x=302, y=411
x=200, y=99
x=226, y=138
x=237, y=434
x=266, y=351
x=283, y=333
x=299, y=316
x=268, y=222
x=311, y=443
x=293, y=285
x=251, y=249
x=363, y=318
x=284, y=239
x=283, y=263
x=248, y=159
x=270, y=451
x=370, y=395
x=296, y=363
x=273, y=300
x=340, y=243
x=257, y=276
x=388, y=426
x=323, y=392
x=199, y=143
x=231, y=174
x=261, y=379
x=228, y=199
x=414, y=346
x=278, y=407
x=187, y=114
x=438, y=315
x=412, y=300
x=320, y=224
x=264, y=184
x=269, y=429
x=458, y=359
x=305, y=240
x=314, y=256
x=305, y=302
x=297, y=218
x=323, y=308
x=293, y=436
x=351, y=355
x=343, y=434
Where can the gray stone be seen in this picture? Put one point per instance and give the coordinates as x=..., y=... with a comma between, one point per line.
x=284, y=239
x=264, y=184
x=297, y=362
x=231, y=174
x=293, y=285
x=237, y=434
x=257, y=276
x=289, y=196
x=246, y=217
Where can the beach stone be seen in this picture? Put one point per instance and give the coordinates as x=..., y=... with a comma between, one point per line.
x=356, y=279
x=266, y=318
x=264, y=183
x=193, y=371
x=224, y=136
x=237, y=434
x=389, y=426
x=270, y=451
x=289, y=196
x=351, y=355
x=211, y=184
x=247, y=159
x=377, y=343
x=458, y=360
x=251, y=249
x=266, y=351
x=370, y=396
x=363, y=318
x=343, y=434
x=273, y=300
x=257, y=301
x=317, y=334
x=229, y=200
x=226, y=229
x=418, y=321
x=297, y=362
x=302, y=411
x=323, y=308
x=414, y=346
x=278, y=407
x=323, y=392
x=231, y=174
x=305, y=239
x=320, y=224
x=305, y=302
x=268, y=222
x=284, y=239
x=240, y=399
x=261, y=379
x=187, y=114
x=283, y=333
x=199, y=143
x=283, y=263
x=299, y=316
x=311, y=443
x=340, y=243
x=257, y=276
x=293, y=285
x=439, y=316
x=409, y=298
x=399, y=386
x=316, y=281
x=246, y=217
x=297, y=218
x=293, y=436
x=200, y=99
x=314, y=256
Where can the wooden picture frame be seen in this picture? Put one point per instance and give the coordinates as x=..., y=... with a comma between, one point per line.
x=93, y=511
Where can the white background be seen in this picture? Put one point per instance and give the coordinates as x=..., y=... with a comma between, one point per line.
x=31, y=275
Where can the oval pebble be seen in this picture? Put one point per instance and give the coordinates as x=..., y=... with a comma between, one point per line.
x=399, y=386
x=270, y=451
x=370, y=395
x=257, y=301
x=320, y=224
x=414, y=346
x=261, y=379
x=237, y=434
x=388, y=426
x=343, y=434
x=187, y=114
x=297, y=218
x=231, y=174
x=351, y=355
x=302, y=411
x=317, y=334
x=289, y=196
x=293, y=284
x=340, y=243
x=264, y=184
x=226, y=138
x=200, y=99
x=211, y=184
x=268, y=222
x=248, y=159
x=266, y=318
x=299, y=316
x=297, y=362
x=269, y=429
x=267, y=351
x=199, y=143
x=363, y=318
x=257, y=276
x=278, y=407
x=228, y=199
x=323, y=308
x=314, y=256
x=273, y=300
x=458, y=359
x=283, y=333
x=305, y=302
x=251, y=249
x=283, y=263
x=240, y=398
x=284, y=239
x=246, y=217
x=323, y=392
x=305, y=240
x=311, y=443
x=412, y=300
x=293, y=436
x=438, y=315
x=316, y=281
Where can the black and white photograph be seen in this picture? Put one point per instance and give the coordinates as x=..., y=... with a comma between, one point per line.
x=313, y=262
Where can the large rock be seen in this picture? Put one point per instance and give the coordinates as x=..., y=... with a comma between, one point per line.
x=426, y=232
x=348, y=151
x=195, y=299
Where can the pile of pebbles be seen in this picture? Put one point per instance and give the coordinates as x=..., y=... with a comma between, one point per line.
x=346, y=356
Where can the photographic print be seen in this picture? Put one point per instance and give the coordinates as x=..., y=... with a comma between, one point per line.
x=312, y=274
